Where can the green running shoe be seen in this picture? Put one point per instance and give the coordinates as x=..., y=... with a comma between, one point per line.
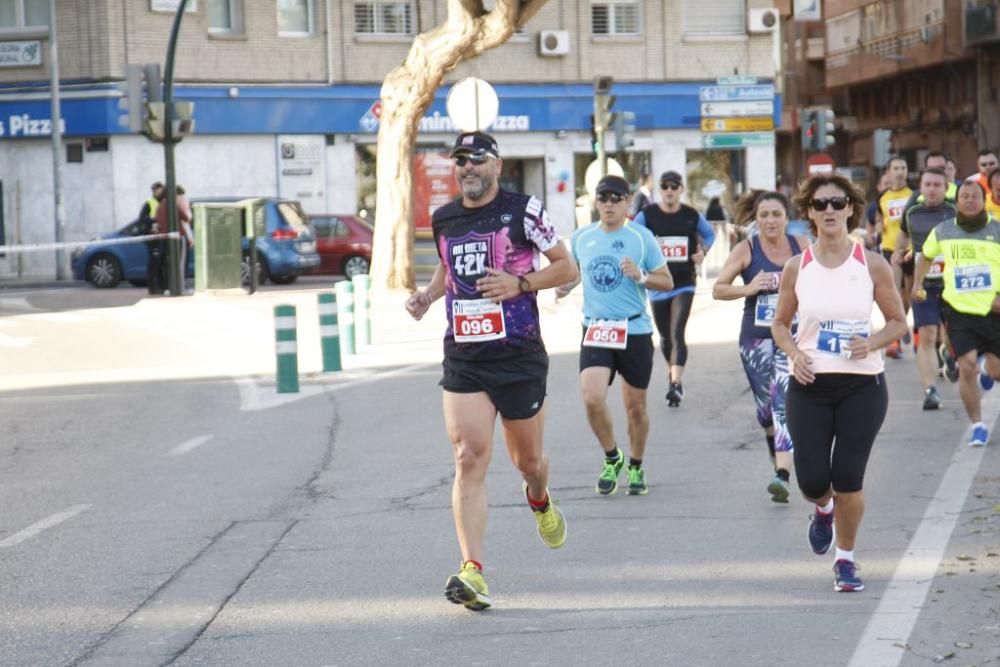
x=637, y=482
x=468, y=587
x=778, y=489
x=607, y=483
x=551, y=522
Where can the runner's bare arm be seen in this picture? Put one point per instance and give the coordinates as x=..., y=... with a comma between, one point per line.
x=421, y=300
x=781, y=329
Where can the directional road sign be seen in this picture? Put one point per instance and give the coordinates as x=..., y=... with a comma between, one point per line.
x=737, y=139
x=748, y=124
x=745, y=108
x=735, y=93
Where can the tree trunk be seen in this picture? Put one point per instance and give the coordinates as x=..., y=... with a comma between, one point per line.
x=406, y=93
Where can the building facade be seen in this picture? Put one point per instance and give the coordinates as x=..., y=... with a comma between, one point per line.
x=286, y=102
x=922, y=73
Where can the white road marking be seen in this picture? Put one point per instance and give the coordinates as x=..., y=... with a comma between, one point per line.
x=883, y=642
x=254, y=396
x=41, y=526
x=193, y=443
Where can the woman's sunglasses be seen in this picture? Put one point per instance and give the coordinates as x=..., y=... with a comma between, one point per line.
x=461, y=160
x=838, y=203
x=613, y=197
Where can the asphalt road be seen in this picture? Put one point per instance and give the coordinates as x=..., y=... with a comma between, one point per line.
x=176, y=519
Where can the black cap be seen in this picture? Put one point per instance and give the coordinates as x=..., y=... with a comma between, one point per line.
x=615, y=184
x=475, y=143
x=671, y=177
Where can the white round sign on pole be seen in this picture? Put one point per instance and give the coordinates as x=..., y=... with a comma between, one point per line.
x=472, y=105
x=593, y=174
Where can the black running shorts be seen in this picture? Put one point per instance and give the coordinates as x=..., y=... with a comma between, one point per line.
x=972, y=332
x=635, y=362
x=515, y=385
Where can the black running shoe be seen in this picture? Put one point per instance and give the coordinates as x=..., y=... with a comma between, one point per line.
x=675, y=394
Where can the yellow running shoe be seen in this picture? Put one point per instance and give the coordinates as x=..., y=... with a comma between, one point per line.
x=468, y=587
x=551, y=522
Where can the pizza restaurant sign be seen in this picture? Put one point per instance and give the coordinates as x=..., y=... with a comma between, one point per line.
x=442, y=123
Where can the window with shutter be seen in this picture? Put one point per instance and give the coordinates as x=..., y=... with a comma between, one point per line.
x=620, y=17
x=383, y=18
x=714, y=17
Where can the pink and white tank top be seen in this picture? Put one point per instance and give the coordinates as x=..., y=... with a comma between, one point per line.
x=834, y=305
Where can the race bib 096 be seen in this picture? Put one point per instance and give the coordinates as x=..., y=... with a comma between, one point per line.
x=477, y=320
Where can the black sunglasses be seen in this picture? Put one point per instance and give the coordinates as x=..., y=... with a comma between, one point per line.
x=612, y=197
x=670, y=185
x=838, y=203
x=476, y=159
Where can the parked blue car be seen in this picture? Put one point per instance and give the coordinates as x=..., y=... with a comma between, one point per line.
x=107, y=264
x=287, y=247
x=285, y=250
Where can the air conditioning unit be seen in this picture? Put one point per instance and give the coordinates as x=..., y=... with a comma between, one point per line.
x=553, y=42
x=763, y=20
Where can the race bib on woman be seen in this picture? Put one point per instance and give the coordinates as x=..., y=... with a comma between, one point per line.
x=834, y=335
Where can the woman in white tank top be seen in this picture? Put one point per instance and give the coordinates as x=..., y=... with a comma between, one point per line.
x=837, y=399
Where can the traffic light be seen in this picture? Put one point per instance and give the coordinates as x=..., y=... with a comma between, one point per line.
x=809, y=126
x=624, y=124
x=595, y=141
x=826, y=128
x=154, y=126
x=131, y=100
x=183, y=119
x=602, y=118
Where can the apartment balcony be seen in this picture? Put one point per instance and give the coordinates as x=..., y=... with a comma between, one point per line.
x=888, y=55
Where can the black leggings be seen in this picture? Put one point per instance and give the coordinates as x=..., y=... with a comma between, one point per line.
x=671, y=318
x=844, y=407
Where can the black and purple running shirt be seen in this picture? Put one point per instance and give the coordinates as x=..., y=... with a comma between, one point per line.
x=506, y=234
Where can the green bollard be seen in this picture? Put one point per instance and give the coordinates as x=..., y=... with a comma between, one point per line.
x=329, y=335
x=362, y=317
x=287, y=349
x=345, y=316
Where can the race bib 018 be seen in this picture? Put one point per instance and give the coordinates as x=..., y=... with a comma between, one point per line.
x=477, y=320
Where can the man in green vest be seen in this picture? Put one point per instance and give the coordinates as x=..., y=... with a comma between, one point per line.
x=147, y=218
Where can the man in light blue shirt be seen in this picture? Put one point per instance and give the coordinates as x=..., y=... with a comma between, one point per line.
x=618, y=261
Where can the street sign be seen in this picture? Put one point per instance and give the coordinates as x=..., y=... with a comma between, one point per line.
x=737, y=140
x=745, y=108
x=749, y=124
x=722, y=93
x=472, y=104
x=737, y=80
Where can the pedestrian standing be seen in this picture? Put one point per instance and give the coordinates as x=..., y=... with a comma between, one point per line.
x=495, y=361
x=837, y=397
x=759, y=261
x=183, y=228
x=618, y=261
x=154, y=248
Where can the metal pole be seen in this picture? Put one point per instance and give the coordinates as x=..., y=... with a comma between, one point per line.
x=57, y=196
x=174, y=277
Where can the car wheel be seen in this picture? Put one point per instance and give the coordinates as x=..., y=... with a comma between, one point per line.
x=104, y=271
x=284, y=280
x=355, y=265
x=245, y=270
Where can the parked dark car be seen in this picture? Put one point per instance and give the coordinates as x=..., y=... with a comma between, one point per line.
x=344, y=243
x=287, y=248
x=107, y=264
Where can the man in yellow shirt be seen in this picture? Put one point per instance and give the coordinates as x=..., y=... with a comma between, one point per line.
x=891, y=206
x=970, y=244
